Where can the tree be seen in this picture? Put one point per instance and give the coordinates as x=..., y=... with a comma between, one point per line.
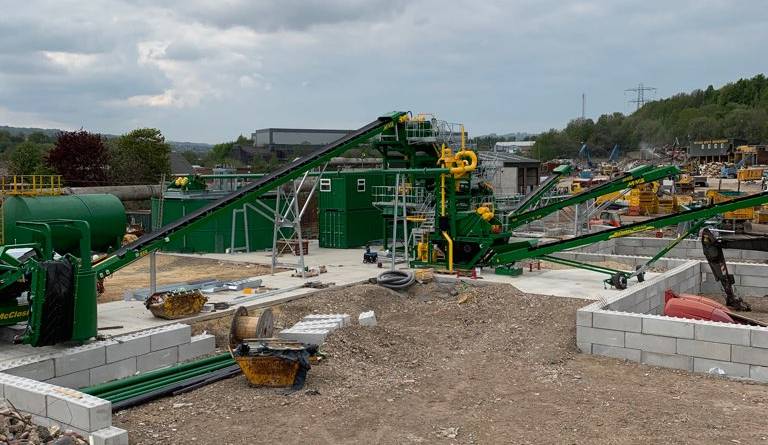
x=192, y=156
x=704, y=128
x=220, y=152
x=8, y=140
x=80, y=158
x=39, y=138
x=746, y=123
x=140, y=157
x=26, y=158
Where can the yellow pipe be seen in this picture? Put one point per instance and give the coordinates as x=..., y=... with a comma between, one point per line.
x=450, y=250
x=442, y=195
x=459, y=171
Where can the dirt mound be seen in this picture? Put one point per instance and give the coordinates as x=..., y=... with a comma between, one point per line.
x=457, y=364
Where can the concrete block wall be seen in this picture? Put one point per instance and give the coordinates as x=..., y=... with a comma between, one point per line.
x=749, y=279
x=116, y=358
x=50, y=404
x=631, y=261
x=648, y=297
x=41, y=385
x=605, y=247
x=689, y=248
x=611, y=328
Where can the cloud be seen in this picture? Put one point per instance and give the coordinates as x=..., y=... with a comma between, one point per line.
x=292, y=15
x=202, y=70
x=71, y=60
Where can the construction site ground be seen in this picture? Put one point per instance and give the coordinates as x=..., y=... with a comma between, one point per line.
x=344, y=267
x=458, y=364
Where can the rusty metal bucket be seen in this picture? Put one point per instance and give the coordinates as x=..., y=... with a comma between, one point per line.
x=175, y=304
x=266, y=361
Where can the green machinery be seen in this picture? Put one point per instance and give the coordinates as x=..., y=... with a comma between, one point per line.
x=62, y=289
x=465, y=230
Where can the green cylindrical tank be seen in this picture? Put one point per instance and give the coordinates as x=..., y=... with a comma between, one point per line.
x=104, y=213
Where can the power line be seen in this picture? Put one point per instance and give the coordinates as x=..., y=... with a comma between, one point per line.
x=640, y=91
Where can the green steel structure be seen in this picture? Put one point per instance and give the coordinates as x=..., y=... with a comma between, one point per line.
x=346, y=215
x=216, y=234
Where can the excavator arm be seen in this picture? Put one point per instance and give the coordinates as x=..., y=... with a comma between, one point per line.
x=713, y=246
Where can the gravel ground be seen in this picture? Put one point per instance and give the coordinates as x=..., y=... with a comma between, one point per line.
x=500, y=367
x=175, y=269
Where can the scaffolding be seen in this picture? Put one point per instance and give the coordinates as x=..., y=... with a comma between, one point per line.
x=287, y=237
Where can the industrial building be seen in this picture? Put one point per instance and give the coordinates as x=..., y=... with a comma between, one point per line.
x=513, y=146
x=513, y=174
x=284, y=141
x=714, y=150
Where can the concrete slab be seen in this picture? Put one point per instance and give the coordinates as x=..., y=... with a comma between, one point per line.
x=572, y=283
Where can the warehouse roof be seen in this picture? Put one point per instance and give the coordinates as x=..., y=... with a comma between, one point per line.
x=507, y=159
x=180, y=165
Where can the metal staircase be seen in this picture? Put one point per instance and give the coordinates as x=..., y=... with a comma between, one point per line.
x=424, y=218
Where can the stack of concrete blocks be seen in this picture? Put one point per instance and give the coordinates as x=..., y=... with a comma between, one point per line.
x=116, y=358
x=314, y=328
x=619, y=328
x=49, y=404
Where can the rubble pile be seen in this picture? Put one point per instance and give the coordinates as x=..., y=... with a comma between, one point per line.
x=18, y=429
x=711, y=169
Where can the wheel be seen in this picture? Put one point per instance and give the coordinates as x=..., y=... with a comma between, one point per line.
x=619, y=281
x=640, y=276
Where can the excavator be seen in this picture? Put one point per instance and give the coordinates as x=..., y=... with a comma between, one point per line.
x=713, y=244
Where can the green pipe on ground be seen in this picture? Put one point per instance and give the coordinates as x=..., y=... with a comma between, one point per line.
x=133, y=391
x=165, y=378
x=151, y=386
x=95, y=390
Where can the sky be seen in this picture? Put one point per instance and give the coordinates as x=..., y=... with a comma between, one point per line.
x=207, y=71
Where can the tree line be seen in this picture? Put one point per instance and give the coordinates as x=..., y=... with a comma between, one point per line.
x=82, y=158
x=735, y=110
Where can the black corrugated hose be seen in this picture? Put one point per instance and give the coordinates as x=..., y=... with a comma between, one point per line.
x=396, y=279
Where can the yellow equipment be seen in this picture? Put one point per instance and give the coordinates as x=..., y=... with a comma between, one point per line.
x=720, y=196
x=750, y=174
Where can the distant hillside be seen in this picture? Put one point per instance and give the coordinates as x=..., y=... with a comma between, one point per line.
x=26, y=131
x=52, y=132
x=735, y=110
x=191, y=146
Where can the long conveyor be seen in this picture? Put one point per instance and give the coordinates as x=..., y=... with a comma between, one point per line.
x=510, y=253
x=636, y=176
x=282, y=175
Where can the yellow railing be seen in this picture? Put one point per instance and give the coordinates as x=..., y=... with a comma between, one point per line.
x=30, y=185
